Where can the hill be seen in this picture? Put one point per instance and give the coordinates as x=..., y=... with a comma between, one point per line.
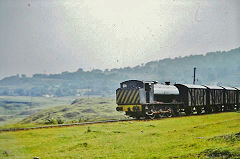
x=212, y=68
x=204, y=136
x=81, y=109
x=13, y=109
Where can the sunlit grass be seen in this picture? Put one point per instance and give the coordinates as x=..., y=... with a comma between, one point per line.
x=185, y=137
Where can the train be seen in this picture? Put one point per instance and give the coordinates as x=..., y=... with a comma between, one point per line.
x=150, y=99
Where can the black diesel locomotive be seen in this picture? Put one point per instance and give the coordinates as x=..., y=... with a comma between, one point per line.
x=149, y=99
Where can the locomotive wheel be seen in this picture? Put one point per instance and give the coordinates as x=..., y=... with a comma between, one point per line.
x=151, y=116
x=170, y=112
x=161, y=115
x=138, y=117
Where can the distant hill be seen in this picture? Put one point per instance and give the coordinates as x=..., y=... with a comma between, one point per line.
x=221, y=67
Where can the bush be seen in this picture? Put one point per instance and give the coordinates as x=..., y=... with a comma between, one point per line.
x=50, y=121
x=216, y=153
x=60, y=121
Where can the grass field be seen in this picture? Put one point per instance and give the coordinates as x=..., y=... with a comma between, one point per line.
x=204, y=136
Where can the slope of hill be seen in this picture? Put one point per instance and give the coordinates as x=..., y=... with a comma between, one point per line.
x=81, y=109
x=204, y=136
x=212, y=68
x=13, y=109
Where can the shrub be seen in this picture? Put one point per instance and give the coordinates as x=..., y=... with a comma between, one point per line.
x=60, y=121
x=50, y=121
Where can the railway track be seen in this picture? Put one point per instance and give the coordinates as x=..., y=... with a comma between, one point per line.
x=63, y=125
x=89, y=123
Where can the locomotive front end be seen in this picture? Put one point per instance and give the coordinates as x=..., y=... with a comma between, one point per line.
x=128, y=97
x=128, y=100
x=132, y=97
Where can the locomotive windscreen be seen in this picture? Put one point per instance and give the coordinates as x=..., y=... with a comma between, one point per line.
x=132, y=84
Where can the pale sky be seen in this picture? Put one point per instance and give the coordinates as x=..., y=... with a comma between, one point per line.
x=52, y=36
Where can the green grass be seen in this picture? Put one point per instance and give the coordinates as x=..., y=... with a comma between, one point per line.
x=202, y=136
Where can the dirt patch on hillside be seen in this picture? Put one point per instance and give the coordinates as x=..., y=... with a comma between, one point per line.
x=103, y=102
x=88, y=111
x=64, y=109
x=71, y=114
x=77, y=101
x=28, y=112
x=37, y=117
x=2, y=119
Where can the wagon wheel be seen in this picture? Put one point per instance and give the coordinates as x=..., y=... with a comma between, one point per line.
x=218, y=109
x=207, y=109
x=176, y=112
x=199, y=110
x=188, y=111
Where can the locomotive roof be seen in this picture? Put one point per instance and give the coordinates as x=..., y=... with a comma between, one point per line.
x=131, y=81
x=165, y=89
x=139, y=81
x=229, y=88
x=192, y=86
x=238, y=88
x=213, y=87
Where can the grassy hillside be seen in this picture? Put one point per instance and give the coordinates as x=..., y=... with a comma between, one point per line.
x=34, y=111
x=15, y=108
x=81, y=109
x=205, y=136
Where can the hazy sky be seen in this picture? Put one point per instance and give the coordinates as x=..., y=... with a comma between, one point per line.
x=51, y=36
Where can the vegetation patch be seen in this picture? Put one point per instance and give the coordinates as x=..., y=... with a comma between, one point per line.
x=217, y=153
x=88, y=111
x=231, y=139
